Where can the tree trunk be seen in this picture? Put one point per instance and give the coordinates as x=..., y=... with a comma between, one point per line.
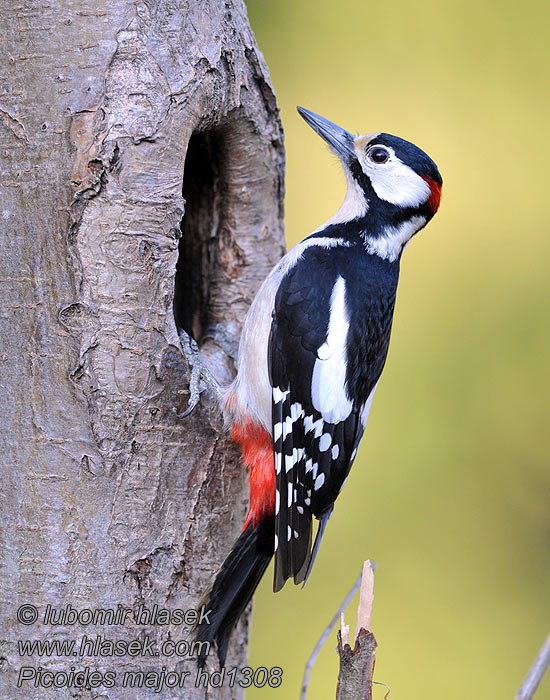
x=114, y=118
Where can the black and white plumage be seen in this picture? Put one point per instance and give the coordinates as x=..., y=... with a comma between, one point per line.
x=328, y=344
x=313, y=347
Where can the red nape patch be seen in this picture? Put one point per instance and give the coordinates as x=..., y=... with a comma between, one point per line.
x=435, y=197
x=257, y=452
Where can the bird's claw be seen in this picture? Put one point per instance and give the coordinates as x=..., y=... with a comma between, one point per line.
x=201, y=377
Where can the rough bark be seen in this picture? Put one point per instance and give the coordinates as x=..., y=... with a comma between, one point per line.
x=107, y=497
x=356, y=667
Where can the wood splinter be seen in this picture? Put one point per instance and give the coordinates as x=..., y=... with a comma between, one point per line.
x=357, y=664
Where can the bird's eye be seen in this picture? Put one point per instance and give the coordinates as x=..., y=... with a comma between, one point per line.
x=377, y=154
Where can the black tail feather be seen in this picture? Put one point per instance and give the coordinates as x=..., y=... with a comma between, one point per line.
x=234, y=585
x=323, y=520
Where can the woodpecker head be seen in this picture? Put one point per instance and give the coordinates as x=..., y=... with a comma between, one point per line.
x=394, y=188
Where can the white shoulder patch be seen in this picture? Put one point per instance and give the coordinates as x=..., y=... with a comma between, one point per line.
x=328, y=391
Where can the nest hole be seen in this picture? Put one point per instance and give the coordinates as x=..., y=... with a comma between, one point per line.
x=202, y=191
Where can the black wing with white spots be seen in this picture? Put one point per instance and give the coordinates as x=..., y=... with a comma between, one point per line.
x=328, y=344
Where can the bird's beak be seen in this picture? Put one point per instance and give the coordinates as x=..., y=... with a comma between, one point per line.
x=340, y=140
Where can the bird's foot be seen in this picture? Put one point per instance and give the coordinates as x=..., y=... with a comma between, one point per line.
x=201, y=376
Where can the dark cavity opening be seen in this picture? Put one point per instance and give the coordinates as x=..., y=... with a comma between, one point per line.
x=202, y=191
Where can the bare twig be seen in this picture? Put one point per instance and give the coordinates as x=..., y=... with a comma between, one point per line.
x=332, y=624
x=536, y=672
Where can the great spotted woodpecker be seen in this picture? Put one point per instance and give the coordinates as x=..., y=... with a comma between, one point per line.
x=313, y=346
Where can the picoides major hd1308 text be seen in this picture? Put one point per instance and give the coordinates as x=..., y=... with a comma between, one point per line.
x=313, y=346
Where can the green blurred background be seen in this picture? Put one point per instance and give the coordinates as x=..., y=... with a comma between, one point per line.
x=450, y=493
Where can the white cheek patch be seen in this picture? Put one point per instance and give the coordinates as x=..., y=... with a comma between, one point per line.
x=328, y=391
x=396, y=183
